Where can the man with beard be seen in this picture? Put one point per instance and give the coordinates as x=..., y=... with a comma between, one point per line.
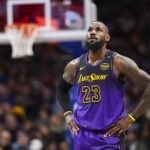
x=100, y=120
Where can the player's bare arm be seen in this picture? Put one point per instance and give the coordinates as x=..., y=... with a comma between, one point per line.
x=141, y=78
x=128, y=68
x=63, y=88
x=70, y=70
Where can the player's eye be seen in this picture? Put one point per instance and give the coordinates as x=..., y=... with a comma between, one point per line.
x=98, y=29
x=90, y=29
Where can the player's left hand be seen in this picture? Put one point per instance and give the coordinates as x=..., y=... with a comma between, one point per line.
x=119, y=127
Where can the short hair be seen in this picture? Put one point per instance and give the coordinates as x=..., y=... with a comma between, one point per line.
x=106, y=27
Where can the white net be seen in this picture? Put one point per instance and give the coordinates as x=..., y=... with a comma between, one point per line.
x=21, y=38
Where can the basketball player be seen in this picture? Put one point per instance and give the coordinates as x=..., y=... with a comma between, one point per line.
x=100, y=119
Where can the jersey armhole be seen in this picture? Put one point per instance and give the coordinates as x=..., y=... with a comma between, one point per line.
x=77, y=69
x=112, y=70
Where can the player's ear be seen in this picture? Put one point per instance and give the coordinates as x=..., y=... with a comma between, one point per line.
x=107, y=37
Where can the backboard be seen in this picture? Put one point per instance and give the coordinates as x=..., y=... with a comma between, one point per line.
x=59, y=20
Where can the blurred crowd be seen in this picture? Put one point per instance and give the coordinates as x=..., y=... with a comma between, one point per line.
x=30, y=117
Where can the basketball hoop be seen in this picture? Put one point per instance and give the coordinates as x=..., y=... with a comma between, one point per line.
x=22, y=37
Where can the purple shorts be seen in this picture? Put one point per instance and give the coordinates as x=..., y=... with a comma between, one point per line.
x=92, y=140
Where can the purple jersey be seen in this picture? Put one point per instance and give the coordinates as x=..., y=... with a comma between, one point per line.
x=99, y=94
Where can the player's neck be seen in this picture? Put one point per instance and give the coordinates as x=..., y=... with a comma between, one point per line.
x=94, y=58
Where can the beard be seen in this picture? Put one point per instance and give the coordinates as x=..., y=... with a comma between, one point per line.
x=95, y=46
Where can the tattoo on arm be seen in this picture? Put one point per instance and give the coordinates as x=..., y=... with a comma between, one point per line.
x=70, y=70
x=139, y=77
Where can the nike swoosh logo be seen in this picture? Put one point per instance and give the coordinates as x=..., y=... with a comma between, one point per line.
x=81, y=68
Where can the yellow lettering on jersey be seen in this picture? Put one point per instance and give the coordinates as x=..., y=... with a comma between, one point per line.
x=91, y=77
x=104, y=66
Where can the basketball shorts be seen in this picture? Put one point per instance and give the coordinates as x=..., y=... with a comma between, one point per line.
x=94, y=140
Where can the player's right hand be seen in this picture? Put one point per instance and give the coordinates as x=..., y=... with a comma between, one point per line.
x=71, y=124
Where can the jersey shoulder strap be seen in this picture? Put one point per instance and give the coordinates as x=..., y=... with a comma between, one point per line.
x=110, y=54
x=83, y=60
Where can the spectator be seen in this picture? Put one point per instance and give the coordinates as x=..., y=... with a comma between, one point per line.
x=22, y=142
x=5, y=142
x=73, y=20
